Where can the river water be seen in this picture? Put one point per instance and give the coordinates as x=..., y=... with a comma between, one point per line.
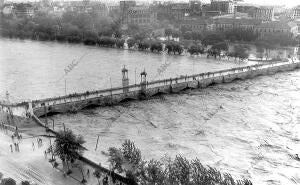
x=247, y=128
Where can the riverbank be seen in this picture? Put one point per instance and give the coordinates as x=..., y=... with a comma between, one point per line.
x=31, y=164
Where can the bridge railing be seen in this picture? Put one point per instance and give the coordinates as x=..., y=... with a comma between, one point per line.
x=135, y=87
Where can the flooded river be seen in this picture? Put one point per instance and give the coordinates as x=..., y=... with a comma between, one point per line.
x=249, y=128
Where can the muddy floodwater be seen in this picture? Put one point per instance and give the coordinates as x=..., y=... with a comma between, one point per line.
x=248, y=128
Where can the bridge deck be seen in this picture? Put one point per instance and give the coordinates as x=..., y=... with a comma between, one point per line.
x=78, y=101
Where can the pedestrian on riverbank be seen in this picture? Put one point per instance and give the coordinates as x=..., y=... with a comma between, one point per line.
x=15, y=147
x=45, y=154
x=88, y=172
x=11, y=148
x=32, y=146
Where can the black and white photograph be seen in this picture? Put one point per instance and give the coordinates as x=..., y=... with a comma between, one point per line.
x=149, y=92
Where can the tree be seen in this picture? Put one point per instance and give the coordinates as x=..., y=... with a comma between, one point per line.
x=221, y=46
x=8, y=181
x=156, y=46
x=67, y=146
x=153, y=173
x=131, y=42
x=126, y=159
x=174, y=47
x=212, y=38
x=240, y=51
x=196, y=49
x=143, y=45
x=168, y=32
x=25, y=183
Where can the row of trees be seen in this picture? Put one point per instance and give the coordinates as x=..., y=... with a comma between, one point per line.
x=71, y=27
x=128, y=160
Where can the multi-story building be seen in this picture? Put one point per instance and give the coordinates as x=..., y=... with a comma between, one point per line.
x=245, y=7
x=23, y=10
x=225, y=24
x=225, y=6
x=265, y=13
x=197, y=25
x=140, y=15
x=124, y=7
x=180, y=11
x=296, y=13
x=277, y=28
x=195, y=8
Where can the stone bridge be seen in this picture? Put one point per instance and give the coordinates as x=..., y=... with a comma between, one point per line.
x=77, y=101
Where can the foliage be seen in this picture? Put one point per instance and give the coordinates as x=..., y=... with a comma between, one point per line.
x=143, y=45
x=8, y=181
x=106, y=41
x=153, y=173
x=72, y=27
x=120, y=43
x=196, y=49
x=68, y=146
x=192, y=35
x=178, y=171
x=156, y=46
x=25, y=183
x=131, y=42
x=174, y=47
x=213, y=38
x=126, y=159
x=241, y=35
x=221, y=46
x=240, y=51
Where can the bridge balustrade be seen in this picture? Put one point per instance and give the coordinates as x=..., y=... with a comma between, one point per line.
x=136, y=87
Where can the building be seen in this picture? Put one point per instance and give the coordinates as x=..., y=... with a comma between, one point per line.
x=180, y=11
x=195, y=8
x=226, y=24
x=23, y=10
x=245, y=7
x=8, y=9
x=265, y=13
x=1, y=3
x=197, y=25
x=277, y=28
x=225, y=6
x=296, y=13
x=140, y=15
x=124, y=7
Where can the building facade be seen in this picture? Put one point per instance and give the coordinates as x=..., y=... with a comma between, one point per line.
x=278, y=28
x=264, y=13
x=225, y=6
x=296, y=13
x=23, y=10
x=140, y=15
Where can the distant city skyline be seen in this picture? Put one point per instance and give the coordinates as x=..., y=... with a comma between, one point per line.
x=287, y=3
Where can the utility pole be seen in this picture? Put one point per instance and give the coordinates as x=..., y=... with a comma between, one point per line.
x=45, y=109
x=110, y=90
x=135, y=76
